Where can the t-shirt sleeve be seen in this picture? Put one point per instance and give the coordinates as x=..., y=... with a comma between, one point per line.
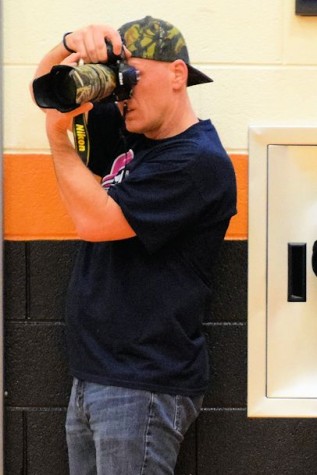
x=162, y=198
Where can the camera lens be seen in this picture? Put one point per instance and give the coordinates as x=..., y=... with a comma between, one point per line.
x=64, y=88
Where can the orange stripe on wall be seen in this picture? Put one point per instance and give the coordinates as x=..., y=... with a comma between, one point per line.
x=33, y=208
x=32, y=205
x=238, y=228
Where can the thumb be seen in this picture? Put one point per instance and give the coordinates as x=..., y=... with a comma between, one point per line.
x=82, y=109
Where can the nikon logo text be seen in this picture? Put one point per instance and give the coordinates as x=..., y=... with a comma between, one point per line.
x=81, y=137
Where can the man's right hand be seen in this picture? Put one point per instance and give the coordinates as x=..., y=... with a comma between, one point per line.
x=90, y=42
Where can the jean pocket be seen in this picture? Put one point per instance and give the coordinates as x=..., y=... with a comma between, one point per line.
x=187, y=411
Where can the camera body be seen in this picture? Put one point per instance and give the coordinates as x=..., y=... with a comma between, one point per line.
x=66, y=87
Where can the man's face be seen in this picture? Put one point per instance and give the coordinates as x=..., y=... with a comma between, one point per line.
x=149, y=108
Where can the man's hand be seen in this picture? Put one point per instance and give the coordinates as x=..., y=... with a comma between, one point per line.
x=58, y=123
x=90, y=42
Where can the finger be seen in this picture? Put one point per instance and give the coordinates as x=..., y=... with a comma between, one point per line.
x=127, y=53
x=82, y=109
x=91, y=46
x=116, y=41
x=101, y=36
x=94, y=42
x=72, y=59
x=81, y=41
x=101, y=53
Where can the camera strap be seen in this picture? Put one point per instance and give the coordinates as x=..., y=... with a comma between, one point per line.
x=81, y=137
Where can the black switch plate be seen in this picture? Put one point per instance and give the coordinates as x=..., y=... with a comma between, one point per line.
x=306, y=7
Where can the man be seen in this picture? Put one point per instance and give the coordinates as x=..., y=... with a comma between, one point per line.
x=141, y=285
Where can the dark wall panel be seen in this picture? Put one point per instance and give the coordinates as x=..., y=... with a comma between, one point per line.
x=228, y=365
x=14, y=442
x=230, y=443
x=15, y=281
x=47, y=451
x=36, y=372
x=49, y=268
x=230, y=284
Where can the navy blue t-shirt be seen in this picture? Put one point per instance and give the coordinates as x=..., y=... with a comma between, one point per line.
x=135, y=306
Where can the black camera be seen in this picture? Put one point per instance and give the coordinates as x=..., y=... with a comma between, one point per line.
x=65, y=87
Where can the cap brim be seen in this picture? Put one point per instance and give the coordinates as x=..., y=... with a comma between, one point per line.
x=196, y=77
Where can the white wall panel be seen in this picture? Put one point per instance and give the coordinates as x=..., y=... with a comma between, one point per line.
x=23, y=124
x=216, y=30
x=300, y=38
x=242, y=95
x=262, y=57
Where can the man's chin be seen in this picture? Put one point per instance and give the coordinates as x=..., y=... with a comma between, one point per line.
x=132, y=126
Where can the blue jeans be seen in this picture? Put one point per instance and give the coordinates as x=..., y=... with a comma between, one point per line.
x=118, y=431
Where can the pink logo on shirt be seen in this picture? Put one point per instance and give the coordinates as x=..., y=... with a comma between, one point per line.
x=118, y=171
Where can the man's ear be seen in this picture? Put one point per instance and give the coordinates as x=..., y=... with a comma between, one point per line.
x=180, y=73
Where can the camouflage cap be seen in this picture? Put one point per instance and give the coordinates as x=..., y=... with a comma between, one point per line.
x=151, y=38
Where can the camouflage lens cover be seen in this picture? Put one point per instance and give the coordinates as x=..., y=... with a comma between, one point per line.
x=93, y=82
